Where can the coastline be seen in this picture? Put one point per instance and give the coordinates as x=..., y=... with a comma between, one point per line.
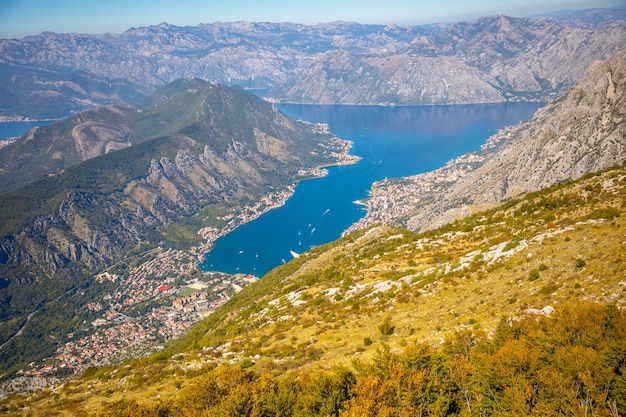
x=13, y=119
x=273, y=200
x=397, y=198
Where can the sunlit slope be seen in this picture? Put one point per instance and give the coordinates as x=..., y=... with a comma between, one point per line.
x=385, y=291
x=556, y=245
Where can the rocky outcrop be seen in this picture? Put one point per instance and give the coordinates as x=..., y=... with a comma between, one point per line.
x=582, y=132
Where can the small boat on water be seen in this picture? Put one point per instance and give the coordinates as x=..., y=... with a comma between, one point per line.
x=294, y=254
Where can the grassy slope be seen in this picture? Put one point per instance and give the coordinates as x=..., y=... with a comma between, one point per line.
x=437, y=283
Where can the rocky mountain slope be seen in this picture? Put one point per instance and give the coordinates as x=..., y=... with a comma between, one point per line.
x=492, y=59
x=51, y=149
x=118, y=181
x=118, y=172
x=581, y=132
x=193, y=108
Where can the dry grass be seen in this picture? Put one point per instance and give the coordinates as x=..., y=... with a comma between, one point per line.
x=328, y=310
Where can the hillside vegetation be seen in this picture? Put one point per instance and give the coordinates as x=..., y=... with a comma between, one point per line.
x=514, y=311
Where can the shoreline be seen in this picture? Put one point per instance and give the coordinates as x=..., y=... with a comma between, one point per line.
x=22, y=119
x=272, y=200
x=395, y=198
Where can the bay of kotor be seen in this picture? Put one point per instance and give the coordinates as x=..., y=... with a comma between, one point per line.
x=392, y=142
x=15, y=129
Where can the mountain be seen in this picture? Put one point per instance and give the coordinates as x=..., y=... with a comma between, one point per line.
x=254, y=55
x=36, y=93
x=193, y=108
x=194, y=144
x=581, y=132
x=492, y=59
x=51, y=149
x=115, y=182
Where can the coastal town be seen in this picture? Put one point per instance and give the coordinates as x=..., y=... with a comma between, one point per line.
x=395, y=199
x=153, y=302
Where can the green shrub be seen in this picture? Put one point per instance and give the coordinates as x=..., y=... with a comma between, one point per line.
x=511, y=245
x=386, y=327
x=533, y=275
x=247, y=363
x=607, y=213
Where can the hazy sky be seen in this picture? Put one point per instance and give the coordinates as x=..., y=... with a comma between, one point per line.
x=19, y=18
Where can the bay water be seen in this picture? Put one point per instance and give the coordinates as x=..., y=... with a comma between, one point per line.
x=16, y=129
x=392, y=142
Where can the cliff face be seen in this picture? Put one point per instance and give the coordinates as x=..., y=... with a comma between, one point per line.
x=582, y=132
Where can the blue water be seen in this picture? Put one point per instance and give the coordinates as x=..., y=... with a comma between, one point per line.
x=15, y=129
x=392, y=141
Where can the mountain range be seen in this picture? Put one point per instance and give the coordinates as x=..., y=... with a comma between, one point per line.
x=492, y=59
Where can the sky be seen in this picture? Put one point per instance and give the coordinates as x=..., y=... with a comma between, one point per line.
x=19, y=18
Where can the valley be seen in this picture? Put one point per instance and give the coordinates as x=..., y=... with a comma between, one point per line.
x=174, y=178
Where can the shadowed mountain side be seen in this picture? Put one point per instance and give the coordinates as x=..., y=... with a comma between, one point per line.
x=38, y=93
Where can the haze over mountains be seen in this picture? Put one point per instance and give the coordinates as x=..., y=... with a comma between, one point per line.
x=93, y=190
x=493, y=59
